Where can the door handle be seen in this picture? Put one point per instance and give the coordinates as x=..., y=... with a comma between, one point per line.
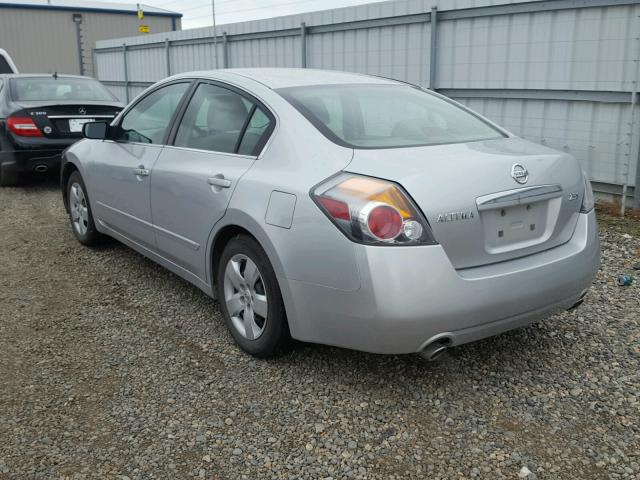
x=219, y=181
x=141, y=172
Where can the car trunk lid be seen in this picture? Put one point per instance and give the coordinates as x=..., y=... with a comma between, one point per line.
x=65, y=119
x=477, y=200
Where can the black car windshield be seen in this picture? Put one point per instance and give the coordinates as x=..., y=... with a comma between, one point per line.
x=58, y=89
x=386, y=116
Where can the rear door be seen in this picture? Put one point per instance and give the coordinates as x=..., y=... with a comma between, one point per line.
x=217, y=140
x=122, y=167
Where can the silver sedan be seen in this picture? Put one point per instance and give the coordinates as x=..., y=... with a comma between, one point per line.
x=338, y=208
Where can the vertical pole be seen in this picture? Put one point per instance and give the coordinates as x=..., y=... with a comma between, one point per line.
x=215, y=34
x=77, y=19
x=94, y=63
x=303, y=45
x=631, y=140
x=636, y=190
x=433, y=52
x=167, y=56
x=225, y=52
x=126, y=73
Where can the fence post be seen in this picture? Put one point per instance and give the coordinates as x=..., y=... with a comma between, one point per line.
x=225, y=53
x=433, y=52
x=167, y=56
x=635, y=133
x=126, y=73
x=303, y=44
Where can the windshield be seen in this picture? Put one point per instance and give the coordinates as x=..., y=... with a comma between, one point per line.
x=58, y=89
x=386, y=116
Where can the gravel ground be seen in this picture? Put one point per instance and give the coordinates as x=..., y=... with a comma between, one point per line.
x=111, y=367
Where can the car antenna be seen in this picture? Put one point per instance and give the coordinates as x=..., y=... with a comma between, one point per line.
x=55, y=75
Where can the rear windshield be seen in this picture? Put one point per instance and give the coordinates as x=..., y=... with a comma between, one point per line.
x=386, y=116
x=58, y=89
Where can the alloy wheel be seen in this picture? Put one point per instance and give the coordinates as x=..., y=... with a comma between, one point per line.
x=245, y=296
x=79, y=209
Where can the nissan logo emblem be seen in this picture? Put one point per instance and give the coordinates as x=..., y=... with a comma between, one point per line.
x=82, y=111
x=519, y=173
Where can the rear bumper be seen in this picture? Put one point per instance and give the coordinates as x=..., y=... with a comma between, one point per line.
x=27, y=160
x=410, y=297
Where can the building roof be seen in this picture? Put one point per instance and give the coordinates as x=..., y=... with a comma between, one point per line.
x=84, y=6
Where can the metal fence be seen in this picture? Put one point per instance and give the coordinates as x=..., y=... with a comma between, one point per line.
x=563, y=73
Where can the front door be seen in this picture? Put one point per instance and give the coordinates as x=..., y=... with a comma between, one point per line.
x=216, y=142
x=125, y=164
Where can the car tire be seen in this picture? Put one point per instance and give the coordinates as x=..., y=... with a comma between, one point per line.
x=250, y=298
x=9, y=177
x=80, y=215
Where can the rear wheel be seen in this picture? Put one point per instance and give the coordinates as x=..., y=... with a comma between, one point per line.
x=82, y=223
x=250, y=298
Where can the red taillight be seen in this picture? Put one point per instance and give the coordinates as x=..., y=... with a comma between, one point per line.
x=384, y=221
x=337, y=209
x=23, y=126
x=372, y=211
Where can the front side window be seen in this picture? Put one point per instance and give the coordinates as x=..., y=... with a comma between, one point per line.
x=386, y=116
x=148, y=120
x=55, y=88
x=220, y=120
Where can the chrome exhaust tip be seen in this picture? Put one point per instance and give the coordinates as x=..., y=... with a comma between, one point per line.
x=434, y=350
x=41, y=168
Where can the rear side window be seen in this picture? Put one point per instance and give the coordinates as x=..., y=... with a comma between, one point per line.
x=386, y=116
x=58, y=89
x=221, y=120
x=253, y=138
x=148, y=120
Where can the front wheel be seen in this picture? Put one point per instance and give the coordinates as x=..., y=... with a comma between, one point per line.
x=82, y=224
x=250, y=298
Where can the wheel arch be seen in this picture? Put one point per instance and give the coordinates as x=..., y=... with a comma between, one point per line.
x=236, y=222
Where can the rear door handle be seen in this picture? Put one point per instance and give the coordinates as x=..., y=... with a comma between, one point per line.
x=219, y=181
x=141, y=172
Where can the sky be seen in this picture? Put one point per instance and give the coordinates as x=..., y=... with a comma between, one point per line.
x=198, y=13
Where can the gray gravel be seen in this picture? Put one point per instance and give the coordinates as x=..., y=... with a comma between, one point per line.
x=111, y=367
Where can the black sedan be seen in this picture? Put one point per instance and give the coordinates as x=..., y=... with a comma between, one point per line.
x=41, y=115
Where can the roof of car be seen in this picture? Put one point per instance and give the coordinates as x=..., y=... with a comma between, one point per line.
x=296, y=77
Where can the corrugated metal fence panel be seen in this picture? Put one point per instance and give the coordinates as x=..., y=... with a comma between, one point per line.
x=359, y=12
x=271, y=52
x=185, y=58
x=581, y=49
x=595, y=133
x=147, y=65
x=109, y=66
x=400, y=52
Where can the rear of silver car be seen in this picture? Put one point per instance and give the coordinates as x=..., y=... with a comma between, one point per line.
x=506, y=235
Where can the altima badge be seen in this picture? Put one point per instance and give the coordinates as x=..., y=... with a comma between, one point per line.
x=454, y=216
x=519, y=173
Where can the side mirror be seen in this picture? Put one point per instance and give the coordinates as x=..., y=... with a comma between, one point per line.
x=95, y=130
